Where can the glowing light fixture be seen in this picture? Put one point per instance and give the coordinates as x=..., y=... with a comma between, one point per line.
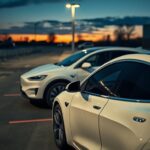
x=73, y=7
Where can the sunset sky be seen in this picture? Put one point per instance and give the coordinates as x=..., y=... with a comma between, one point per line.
x=18, y=17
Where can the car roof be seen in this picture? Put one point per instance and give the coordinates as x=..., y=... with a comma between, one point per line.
x=139, y=57
x=95, y=50
x=111, y=48
x=135, y=57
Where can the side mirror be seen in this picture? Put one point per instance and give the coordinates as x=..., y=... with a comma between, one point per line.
x=73, y=87
x=86, y=65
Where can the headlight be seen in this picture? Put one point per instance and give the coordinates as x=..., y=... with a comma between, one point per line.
x=37, y=78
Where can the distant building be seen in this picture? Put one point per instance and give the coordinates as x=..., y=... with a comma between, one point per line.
x=146, y=36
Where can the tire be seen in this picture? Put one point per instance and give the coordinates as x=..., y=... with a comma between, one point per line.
x=59, y=129
x=52, y=91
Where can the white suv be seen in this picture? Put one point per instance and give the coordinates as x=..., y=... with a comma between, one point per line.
x=47, y=81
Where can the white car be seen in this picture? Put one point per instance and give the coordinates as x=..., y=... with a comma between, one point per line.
x=47, y=81
x=110, y=110
x=85, y=45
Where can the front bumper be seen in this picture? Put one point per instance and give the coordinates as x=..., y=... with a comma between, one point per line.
x=31, y=89
x=23, y=93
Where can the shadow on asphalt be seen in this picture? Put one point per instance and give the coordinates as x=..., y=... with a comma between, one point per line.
x=38, y=103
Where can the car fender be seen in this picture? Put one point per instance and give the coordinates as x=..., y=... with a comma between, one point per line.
x=65, y=108
x=53, y=79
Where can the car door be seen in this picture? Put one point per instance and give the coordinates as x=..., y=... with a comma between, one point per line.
x=125, y=121
x=86, y=107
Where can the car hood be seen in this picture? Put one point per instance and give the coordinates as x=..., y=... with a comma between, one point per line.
x=44, y=69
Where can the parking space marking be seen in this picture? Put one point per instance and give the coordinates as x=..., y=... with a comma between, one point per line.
x=12, y=95
x=30, y=121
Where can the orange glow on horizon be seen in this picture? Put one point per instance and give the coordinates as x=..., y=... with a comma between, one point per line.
x=66, y=38
x=100, y=35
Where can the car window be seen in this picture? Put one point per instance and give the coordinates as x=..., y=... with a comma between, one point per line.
x=73, y=58
x=92, y=59
x=104, y=81
x=129, y=80
x=96, y=59
x=115, y=54
x=134, y=82
x=109, y=55
x=103, y=57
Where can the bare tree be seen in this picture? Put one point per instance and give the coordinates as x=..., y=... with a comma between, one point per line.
x=120, y=33
x=129, y=31
x=51, y=37
x=124, y=32
x=80, y=37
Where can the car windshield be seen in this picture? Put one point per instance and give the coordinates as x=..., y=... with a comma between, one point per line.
x=75, y=57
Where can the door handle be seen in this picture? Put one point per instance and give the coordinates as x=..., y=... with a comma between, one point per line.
x=96, y=107
x=139, y=119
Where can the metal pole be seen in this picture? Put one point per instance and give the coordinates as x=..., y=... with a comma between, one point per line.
x=73, y=27
x=73, y=7
x=35, y=26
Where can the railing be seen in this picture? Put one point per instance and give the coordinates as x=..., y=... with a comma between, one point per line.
x=23, y=51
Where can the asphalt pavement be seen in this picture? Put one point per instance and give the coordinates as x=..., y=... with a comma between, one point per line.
x=23, y=125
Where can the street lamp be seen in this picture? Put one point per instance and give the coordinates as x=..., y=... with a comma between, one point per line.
x=35, y=30
x=73, y=7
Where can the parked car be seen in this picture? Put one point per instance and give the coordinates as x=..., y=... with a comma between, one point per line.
x=85, y=45
x=108, y=110
x=47, y=81
x=7, y=43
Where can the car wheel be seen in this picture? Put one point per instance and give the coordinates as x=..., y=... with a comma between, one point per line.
x=58, y=128
x=52, y=91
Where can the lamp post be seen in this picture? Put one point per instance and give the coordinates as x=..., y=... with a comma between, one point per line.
x=35, y=30
x=73, y=7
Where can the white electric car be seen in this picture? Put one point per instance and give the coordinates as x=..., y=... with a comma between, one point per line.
x=47, y=81
x=110, y=110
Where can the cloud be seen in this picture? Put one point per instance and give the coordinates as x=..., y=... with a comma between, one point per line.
x=82, y=26
x=18, y=3
x=100, y=22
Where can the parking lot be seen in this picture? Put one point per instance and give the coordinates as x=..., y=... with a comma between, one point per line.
x=24, y=125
